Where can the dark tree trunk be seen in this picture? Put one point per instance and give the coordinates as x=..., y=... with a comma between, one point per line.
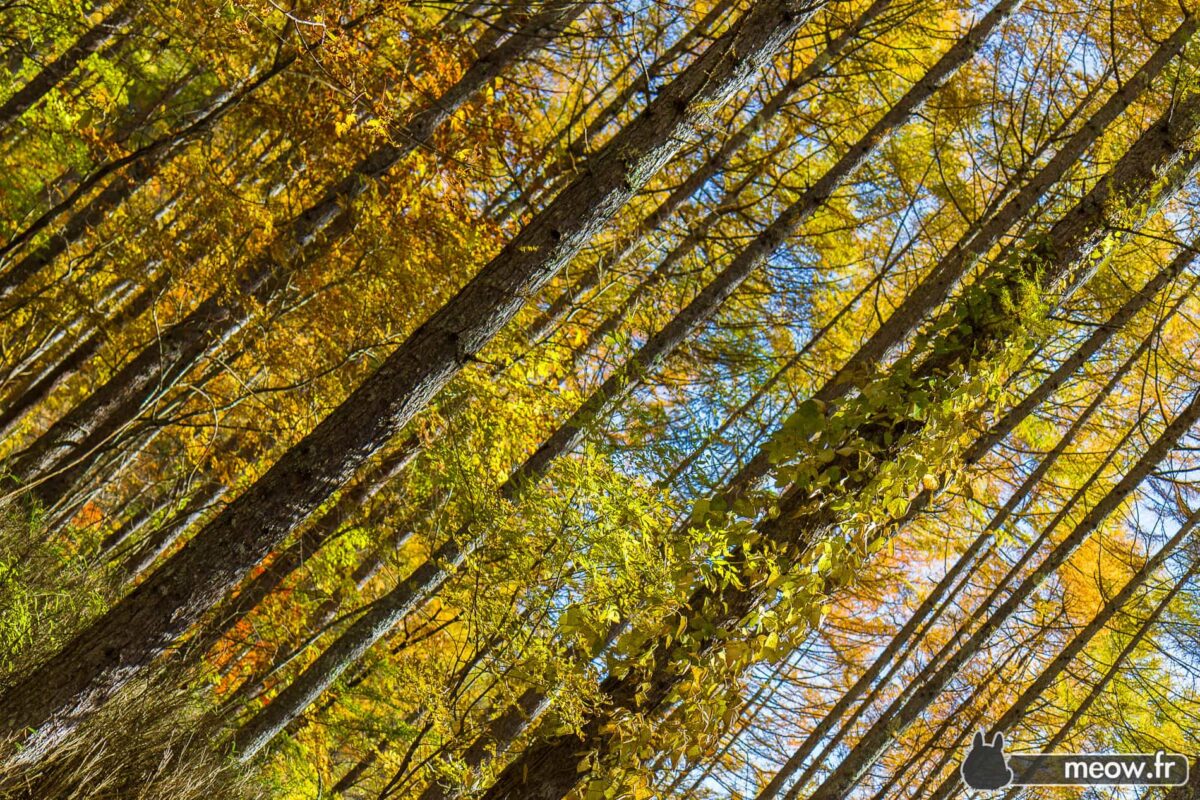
x=881, y=734
x=122, y=644
x=623, y=249
x=430, y=576
x=64, y=453
x=1151, y=169
x=310, y=541
x=53, y=73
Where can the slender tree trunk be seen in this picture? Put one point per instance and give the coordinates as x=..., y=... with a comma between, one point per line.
x=1151, y=169
x=979, y=614
x=930, y=610
x=325, y=530
x=618, y=253
x=762, y=696
x=400, y=536
x=355, y=774
x=506, y=728
x=880, y=736
x=1096, y=689
x=327, y=614
x=36, y=360
x=936, y=286
x=34, y=393
x=948, y=586
x=430, y=576
x=358, y=638
x=796, y=359
x=311, y=539
x=121, y=645
x=576, y=151
x=977, y=549
x=94, y=212
x=53, y=73
x=63, y=453
x=968, y=714
x=141, y=559
x=1081, y=639
x=132, y=526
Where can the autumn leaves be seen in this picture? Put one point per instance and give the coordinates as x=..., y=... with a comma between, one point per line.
x=643, y=233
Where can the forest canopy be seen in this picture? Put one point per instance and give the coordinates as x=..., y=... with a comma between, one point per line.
x=772, y=399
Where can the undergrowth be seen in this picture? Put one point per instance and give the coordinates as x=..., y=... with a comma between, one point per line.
x=152, y=742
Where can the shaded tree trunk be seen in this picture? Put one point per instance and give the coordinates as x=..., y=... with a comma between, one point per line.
x=63, y=453
x=1151, y=169
x=1081, y=639
x=311, y=540
x=53, y=73
x=123, y=643
x=431, y=575
x=880, y=736
x=950, y=584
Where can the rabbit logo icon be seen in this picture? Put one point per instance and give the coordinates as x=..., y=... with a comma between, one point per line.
x=985, y=766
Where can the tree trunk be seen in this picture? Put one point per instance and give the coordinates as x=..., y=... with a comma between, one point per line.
x=936, y=286
x=1081, y=639
x=312, y=539
x=576, y=151
x=56, y=374
x=880, y=736
x=140, y=560
x=130, y=527
x=431, y=575
x=688, y=321
x=504, y=729
x=122, y=644
x=1151, y=169
x=64, y=452
x=53, y=73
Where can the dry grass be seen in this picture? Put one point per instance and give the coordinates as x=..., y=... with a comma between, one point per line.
x=152, y=742
x=149, y=744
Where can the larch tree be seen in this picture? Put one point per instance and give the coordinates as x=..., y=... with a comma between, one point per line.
x=744, y=398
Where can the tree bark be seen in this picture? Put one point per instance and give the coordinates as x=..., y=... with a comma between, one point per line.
x=926, y=613
x=53, y=73
x=1081, y=639
x=311, y=540
x=880, y=735
x=431, y=575
x=1150, y=170
x=62, y=455
x=124, y=642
